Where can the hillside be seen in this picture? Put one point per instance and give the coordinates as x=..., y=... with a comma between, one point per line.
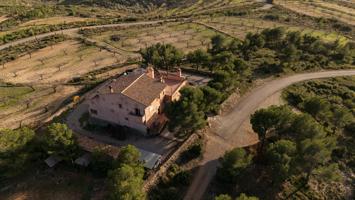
x=103, y=3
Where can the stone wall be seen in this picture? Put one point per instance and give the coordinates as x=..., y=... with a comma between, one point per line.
x=153, y=179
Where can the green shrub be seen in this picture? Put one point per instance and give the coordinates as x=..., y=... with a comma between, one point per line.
x=182, y=178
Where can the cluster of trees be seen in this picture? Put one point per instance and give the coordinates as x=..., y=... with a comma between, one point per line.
x=233, y=62
x=189, y=113
x=329, y=101
x=22, y=148
x=293, y=149
x=301, y=146
x=291, y=51
x=172, y=184
x=163, y=56
x=126, y=179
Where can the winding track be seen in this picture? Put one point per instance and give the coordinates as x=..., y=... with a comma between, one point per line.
x=75, y=30
x=225, y=137
x=228, y=134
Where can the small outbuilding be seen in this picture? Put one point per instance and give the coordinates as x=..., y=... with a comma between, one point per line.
x=83, y=160
x=52, y=160
x=150, y=160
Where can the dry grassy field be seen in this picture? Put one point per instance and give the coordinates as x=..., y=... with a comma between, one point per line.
x=54, y=185
x=55, y=20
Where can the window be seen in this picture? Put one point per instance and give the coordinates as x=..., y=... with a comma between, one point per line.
x=120, y=105
x=93, y=111
x=137, y=112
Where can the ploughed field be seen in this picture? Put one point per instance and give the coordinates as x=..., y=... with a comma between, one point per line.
x=35, y=82
x=185, y=36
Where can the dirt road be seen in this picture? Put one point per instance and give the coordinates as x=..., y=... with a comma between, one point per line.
x=226, y=133
x=75, y=30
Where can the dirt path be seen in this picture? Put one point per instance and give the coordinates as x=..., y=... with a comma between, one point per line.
x=229, y=131
x=75, y=30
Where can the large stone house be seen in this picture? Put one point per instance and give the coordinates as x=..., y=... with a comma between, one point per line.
x=136, y=100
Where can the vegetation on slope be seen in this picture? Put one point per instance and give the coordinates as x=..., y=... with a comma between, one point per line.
x=235, y=63
x=308, y=155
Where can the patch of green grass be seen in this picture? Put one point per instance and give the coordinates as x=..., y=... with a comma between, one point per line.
x=10, y=95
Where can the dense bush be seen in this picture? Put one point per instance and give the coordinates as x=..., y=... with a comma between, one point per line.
x=192, y=152
x=172, y=184
x=22, y=149
x=101, y=163
x=234, y=63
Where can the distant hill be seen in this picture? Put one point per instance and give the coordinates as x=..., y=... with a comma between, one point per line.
x=102, y=3
x=114, y=3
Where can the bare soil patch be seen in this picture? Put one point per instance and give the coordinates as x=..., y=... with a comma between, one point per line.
x=49, y=184
x=186, y=37
x=3, y=18
x=57, y=64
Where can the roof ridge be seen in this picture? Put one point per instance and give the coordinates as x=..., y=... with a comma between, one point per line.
x=132, y=83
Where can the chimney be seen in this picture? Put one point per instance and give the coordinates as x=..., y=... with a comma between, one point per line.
x=111, y=89
x=179, y=73
x=150, y=72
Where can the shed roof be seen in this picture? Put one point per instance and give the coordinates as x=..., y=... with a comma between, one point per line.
x=52, y=160
x=83, y=160
x=151, y=160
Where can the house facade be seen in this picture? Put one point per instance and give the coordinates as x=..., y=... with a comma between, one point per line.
x=136, y=100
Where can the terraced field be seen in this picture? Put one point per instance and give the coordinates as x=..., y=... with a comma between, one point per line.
x=204, y=6
x=186, y=36
x=55, y=20
x=239, y=27
x=58, y=64
x=37, y=80
x=321, y=9
x=25, y=105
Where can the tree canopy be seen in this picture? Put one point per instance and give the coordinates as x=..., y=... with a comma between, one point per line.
x=126, y=180
x=59, y=140
x=233, y=164
x=16, y=151
x=163, y=56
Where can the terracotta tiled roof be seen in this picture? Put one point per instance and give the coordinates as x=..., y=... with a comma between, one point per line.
x=144, y=90
x=137, y=86
x=119, y=84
